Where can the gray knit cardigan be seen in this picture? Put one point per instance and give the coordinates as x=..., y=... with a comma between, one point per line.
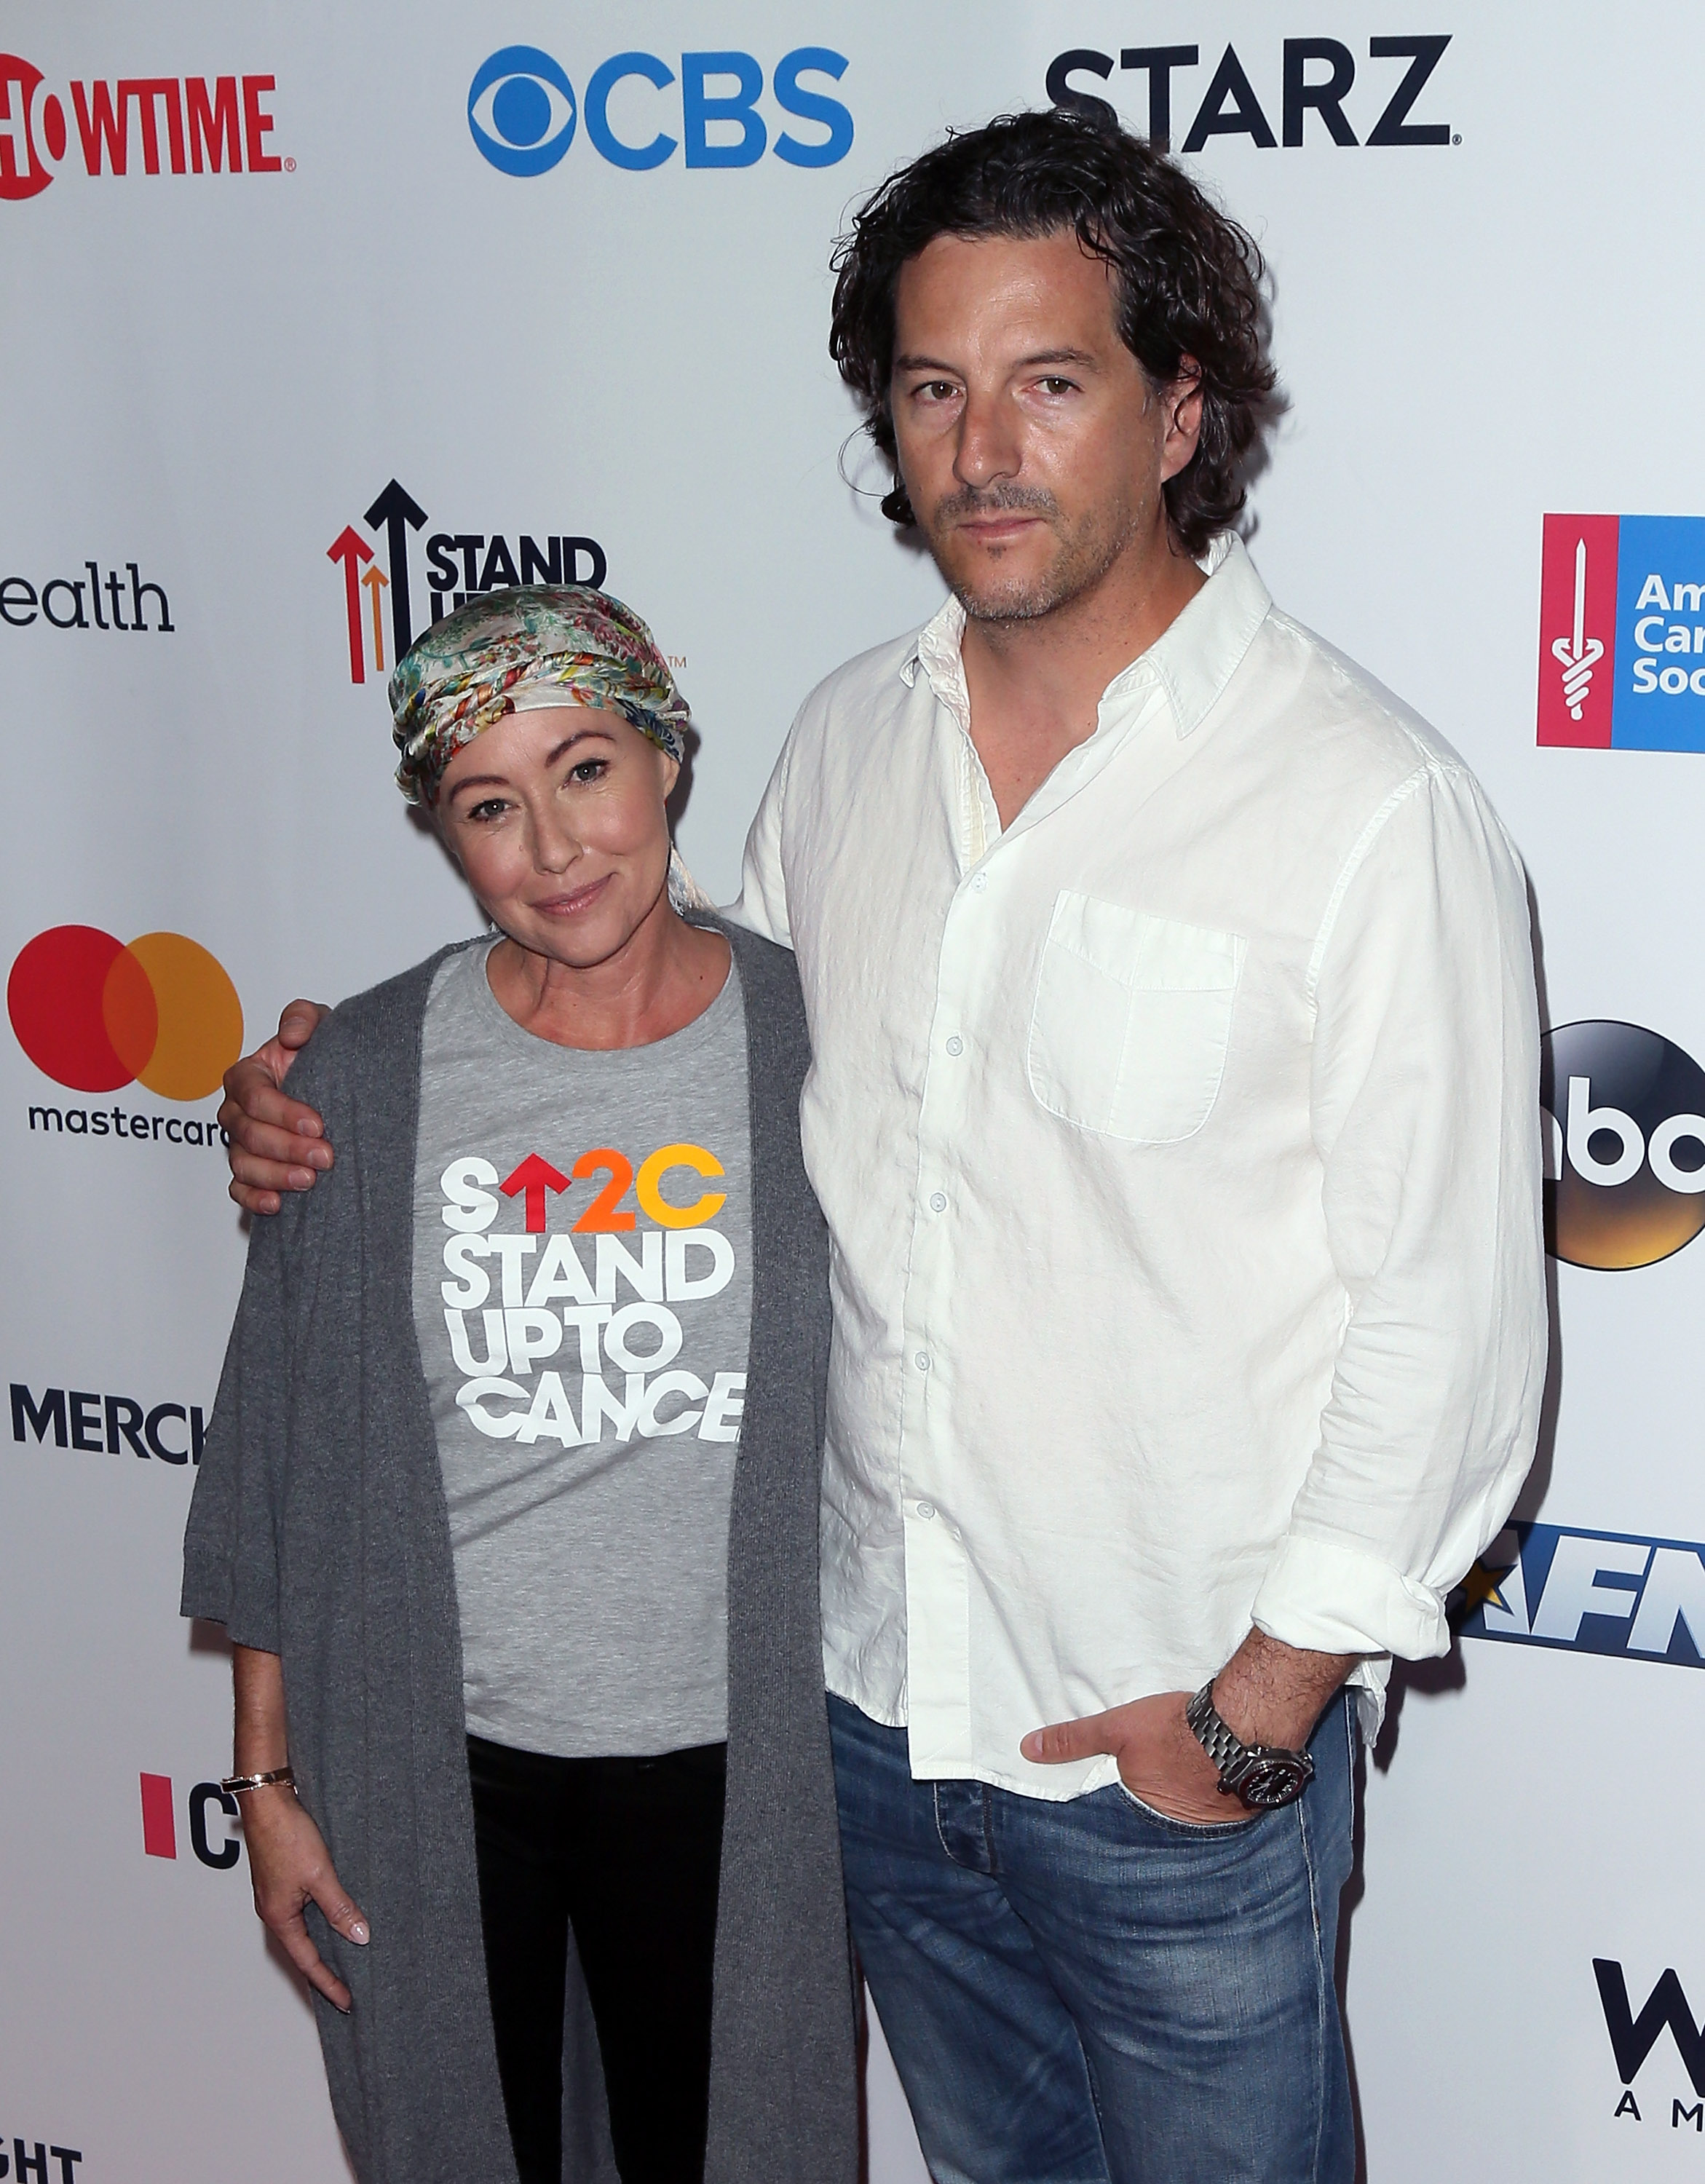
x=318, y=1531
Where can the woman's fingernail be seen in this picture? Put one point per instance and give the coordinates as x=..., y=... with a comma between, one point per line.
x=358, y=1931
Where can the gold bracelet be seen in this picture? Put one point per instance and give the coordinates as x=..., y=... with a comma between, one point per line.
x=234, y=1785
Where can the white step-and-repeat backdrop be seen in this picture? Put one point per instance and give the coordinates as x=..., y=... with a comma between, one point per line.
x=317, y=318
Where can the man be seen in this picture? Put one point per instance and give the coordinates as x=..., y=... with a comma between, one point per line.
x=1173, y=1109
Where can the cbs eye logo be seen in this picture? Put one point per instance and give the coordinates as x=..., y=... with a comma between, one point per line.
x=521, y=110
x=95, y=1015
x=1624, y=1140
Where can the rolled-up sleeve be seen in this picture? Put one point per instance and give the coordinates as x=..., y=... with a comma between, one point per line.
x=1424, y=1103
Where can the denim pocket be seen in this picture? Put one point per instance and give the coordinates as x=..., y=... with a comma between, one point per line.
x=1131, y=1021
x=1206, y=1831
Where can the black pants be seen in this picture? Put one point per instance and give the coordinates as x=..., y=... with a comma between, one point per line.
x=627, y=1851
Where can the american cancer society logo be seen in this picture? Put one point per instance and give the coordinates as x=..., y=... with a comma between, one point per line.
x=1622, y=632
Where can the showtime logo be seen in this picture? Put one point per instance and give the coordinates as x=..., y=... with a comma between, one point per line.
x=460, y=566
x=1308, y=83
x=1622, y=632
x=217, y=128
x=1591, y=1592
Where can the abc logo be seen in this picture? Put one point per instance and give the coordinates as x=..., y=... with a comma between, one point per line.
x=94, y=1014
x=1624, y=1127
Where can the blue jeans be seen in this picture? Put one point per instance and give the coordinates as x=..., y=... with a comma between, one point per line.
x=1091, y=1993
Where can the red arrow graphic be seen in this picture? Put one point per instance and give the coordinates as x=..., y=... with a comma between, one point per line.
x=535, y=1177
x=351, y=550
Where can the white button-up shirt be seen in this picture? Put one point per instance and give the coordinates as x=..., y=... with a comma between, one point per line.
x=1179, y=1147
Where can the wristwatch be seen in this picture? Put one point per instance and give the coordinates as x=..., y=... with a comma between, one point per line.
x=1262, y=1775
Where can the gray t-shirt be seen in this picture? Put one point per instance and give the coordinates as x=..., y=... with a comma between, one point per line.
x=583, y=1297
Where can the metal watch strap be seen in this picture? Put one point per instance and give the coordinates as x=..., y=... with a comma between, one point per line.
x=1222, y=1744
x=1251, y=1772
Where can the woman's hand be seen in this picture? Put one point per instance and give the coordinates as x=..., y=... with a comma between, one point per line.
x=291, y=1866
x=267, y=1131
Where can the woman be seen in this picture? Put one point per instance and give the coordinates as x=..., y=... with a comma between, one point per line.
x=508, y=1503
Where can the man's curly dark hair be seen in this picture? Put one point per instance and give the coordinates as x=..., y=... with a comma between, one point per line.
x=1187, y=280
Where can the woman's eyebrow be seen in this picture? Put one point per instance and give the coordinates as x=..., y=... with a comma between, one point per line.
x=568, y=742
x=556, y=751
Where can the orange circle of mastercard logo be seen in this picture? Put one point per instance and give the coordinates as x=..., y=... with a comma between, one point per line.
x=93, y=1014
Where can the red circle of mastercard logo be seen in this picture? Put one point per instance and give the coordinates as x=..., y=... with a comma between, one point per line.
x=93, y=1014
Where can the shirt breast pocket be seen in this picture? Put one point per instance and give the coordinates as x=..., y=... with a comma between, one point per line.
x=1132, y=1020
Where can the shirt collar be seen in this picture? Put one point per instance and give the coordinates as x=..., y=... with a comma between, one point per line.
x=1192, y=661
x=936, y=650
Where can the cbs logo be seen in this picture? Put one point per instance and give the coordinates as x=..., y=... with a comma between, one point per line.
x=1625, y=1142
x=522, y=113
x=93, y=1014
x=521, y=110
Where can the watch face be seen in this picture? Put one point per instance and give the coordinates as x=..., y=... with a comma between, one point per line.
x=1272, y=1782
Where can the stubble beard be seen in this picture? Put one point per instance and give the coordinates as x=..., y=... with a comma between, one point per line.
x=1080, y=563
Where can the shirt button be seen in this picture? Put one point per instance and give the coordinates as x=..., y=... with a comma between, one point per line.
x=926, y=1510
x=980, y=881
x=956, y=1045
x=921, y=1361
x=938, y=1201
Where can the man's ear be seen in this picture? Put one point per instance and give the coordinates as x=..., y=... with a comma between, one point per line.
x=1182, y=401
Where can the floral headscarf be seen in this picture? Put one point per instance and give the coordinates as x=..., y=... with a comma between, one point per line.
x=457, y=677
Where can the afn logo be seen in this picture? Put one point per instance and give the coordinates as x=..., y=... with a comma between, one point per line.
x=1591, y=1592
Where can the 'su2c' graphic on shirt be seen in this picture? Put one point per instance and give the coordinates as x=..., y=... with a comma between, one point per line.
x=585, y=1321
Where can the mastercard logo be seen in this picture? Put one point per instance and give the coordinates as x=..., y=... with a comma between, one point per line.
x=93, y=1014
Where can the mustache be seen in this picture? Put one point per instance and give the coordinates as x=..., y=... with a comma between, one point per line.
x=973, y=501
